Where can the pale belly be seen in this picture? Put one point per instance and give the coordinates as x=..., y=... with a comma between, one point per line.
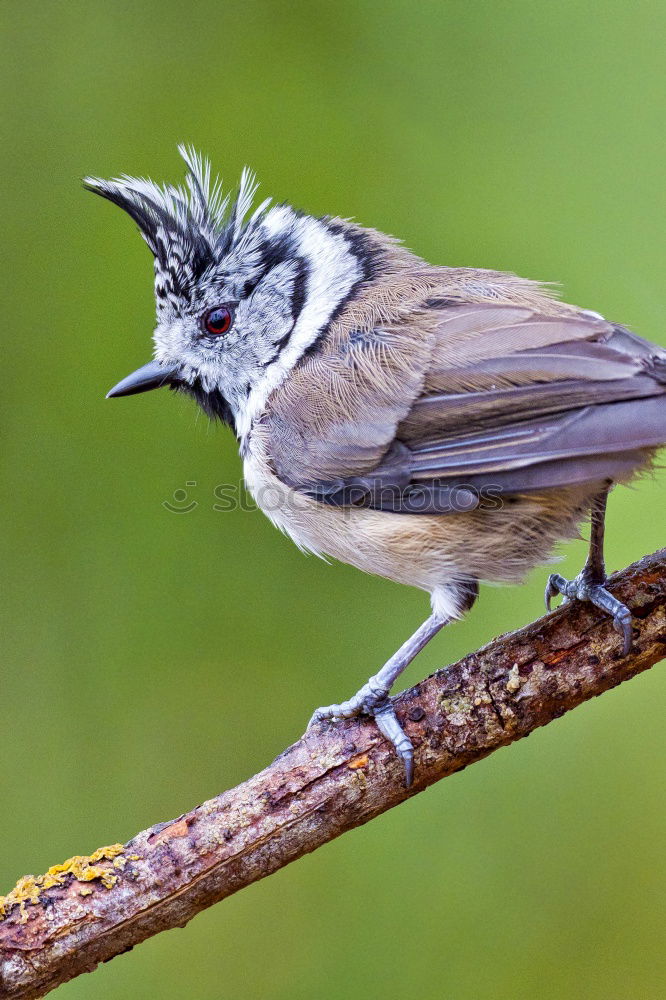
x=431, y=552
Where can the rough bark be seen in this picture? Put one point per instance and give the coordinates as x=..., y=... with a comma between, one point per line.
x=335, y=778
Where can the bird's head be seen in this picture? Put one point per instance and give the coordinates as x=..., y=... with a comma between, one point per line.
x=241, y=295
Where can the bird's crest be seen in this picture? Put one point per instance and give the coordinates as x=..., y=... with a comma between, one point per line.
x=189, y=228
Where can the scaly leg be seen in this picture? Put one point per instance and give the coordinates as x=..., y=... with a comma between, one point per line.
x=373, y=698
x=589, y=584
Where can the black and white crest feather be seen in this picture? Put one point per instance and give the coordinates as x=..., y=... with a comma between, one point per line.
x=189, y=228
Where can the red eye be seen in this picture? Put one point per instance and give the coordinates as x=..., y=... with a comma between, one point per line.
x=217, y=321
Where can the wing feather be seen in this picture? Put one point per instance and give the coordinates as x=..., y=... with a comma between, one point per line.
x=493, y=395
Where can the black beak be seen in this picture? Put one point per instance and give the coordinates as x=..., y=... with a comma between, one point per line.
x=150, y=376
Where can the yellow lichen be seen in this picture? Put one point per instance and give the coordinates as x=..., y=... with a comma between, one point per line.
x=84, y=868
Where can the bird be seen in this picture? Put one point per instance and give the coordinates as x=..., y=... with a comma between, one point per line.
x=438, y=426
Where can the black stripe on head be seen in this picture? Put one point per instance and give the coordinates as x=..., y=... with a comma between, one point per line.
x=274, y=251
x=299, y=291
x=361, y=244
x=369, y=257
x=298, y=297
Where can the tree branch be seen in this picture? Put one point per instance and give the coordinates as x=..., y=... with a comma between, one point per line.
x=335, y=778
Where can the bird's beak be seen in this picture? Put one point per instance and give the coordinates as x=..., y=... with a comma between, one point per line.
x=150, y=376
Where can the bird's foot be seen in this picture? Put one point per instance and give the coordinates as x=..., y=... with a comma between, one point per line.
x=583, y=588
x=373, y=700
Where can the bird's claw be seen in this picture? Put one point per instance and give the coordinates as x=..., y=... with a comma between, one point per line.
x=377, y=704
x=550, y=593
x=582, y=589
x=388, y=725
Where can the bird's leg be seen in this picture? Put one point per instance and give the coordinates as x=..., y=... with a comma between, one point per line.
x=589, y=584
x=373, y=698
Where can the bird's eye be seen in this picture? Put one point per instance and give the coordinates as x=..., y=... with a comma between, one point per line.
x=217, y=320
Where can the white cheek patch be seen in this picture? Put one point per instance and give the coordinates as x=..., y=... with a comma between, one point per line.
x=173, y=345
x=169, y=341
x=332, y=272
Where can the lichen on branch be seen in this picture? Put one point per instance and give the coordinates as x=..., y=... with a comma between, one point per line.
x=80, y=868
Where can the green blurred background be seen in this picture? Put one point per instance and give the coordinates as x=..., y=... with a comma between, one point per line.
x=151, y=659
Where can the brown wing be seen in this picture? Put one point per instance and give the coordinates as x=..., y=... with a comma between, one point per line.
x=486, y=396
